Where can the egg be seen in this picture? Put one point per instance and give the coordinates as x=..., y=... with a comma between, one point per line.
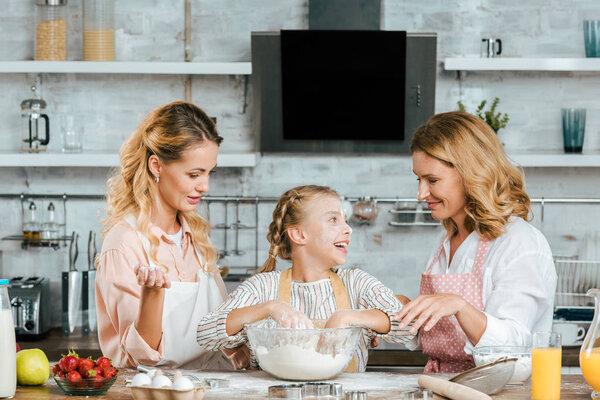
x=141, y=380
x=183, y=383
x=161, y=381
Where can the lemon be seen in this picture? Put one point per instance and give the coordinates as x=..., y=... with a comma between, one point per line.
x=33, y=367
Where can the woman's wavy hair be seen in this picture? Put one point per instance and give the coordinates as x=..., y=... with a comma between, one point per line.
x=494, y=187
x=166, y=132
x=289, y=212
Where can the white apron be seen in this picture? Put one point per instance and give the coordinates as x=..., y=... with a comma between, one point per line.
x=184, y=305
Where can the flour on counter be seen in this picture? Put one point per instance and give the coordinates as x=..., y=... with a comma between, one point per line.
x=294, y=362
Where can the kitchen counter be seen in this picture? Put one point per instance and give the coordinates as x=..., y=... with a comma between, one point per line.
x=254, y=384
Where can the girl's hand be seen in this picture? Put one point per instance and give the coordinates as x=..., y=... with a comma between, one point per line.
x=427, y=310
x=287, y=317
x=153, y=278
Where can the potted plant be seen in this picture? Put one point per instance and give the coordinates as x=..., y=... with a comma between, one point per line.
x=495, y=120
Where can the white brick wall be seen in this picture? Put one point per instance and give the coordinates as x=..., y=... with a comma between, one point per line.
x=113, y=105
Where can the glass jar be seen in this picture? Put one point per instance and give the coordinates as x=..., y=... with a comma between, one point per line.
x=8, y=361
x=98, y=30
x=51, y=30
x=365, y=209
x=31, y=226
x=49, y=231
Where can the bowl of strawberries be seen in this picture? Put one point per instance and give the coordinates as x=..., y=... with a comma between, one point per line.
x=83, y=376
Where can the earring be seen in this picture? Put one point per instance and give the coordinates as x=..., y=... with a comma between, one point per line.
x=157, y=179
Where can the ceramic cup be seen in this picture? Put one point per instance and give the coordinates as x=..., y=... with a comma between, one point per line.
x=570, y=333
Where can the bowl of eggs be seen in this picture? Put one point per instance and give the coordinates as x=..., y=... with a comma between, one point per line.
x=156, y=386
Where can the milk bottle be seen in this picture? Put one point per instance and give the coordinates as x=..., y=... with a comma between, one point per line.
x=8, y=358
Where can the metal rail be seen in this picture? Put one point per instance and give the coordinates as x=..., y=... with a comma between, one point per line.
x=254, y=199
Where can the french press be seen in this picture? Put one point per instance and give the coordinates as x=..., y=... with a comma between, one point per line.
x=32, y=111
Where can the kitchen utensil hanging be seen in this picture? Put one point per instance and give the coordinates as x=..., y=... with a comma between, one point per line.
x=236, y=226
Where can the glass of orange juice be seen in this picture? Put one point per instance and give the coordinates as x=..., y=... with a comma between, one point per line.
x=546, y=356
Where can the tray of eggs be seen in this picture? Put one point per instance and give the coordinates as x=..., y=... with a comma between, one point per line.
x=157, y=386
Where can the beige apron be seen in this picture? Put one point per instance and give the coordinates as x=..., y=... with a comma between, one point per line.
x=184, y=305
x=342, y=302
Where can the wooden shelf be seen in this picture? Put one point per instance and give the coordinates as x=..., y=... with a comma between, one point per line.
x=555, y=159
x=103, y=159
x=127, y=67
x=521, y=64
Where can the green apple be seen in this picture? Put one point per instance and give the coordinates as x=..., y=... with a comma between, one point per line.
x=33, y=367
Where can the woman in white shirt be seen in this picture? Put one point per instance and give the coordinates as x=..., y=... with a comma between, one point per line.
x=491, y=279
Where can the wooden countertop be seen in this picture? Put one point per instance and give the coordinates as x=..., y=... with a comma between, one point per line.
x=254, y=384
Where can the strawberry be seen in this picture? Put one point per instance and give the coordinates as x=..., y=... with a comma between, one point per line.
x=85, y=364
x=103, y=362
x=109, y=372
x=97, y=381
x=56, y=369
x=61, y=374
x=98, y=370
x=74, y=377
x=70, y=362
x=90, y=373
x=18, y=348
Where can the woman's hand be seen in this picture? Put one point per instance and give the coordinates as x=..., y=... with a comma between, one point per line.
x=151, y=277
x=428, y=310
x=287, y=317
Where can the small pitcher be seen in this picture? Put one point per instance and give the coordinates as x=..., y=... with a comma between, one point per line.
x=589, y=356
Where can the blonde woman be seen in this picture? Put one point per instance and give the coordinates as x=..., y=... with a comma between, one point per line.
x=157, y=272
x=309, y=228
x=491, y=278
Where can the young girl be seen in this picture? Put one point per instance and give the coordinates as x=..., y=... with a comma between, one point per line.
x=309, y=228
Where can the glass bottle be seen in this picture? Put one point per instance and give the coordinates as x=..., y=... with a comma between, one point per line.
x=50, y=227
x=98, y=30
x=51, y=30
x=589, y=356
x=31, y=227
x=8, y=361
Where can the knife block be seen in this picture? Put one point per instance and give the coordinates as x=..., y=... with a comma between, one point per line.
x=82, y=313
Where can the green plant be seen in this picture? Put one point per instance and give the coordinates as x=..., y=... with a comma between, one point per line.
x=496, y=120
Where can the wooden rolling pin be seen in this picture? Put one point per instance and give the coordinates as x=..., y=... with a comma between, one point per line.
x=451, y=390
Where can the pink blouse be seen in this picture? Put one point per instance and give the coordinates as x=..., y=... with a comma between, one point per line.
x=118, y=293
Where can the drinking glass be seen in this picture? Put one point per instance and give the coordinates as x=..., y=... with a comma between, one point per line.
x=546, y=358
x=573, y=129
x=72, y=134
x=591, y=37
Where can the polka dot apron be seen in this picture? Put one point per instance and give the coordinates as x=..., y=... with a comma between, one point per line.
x=445, y=342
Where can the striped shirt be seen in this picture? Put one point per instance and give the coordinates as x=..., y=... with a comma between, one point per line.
x=315, y=299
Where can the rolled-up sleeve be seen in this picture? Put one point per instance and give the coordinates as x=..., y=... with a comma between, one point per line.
x=118, y=300
x=212, y=332
x=522, y=291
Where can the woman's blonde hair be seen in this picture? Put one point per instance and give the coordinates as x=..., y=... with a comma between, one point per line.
x=494, y=187
x=166, y=132
x=289, y=212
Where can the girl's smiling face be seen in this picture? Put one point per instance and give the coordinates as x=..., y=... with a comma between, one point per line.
x=326, y=230
x=441, y=187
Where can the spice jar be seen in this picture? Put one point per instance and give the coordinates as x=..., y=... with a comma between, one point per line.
x=51, y=30
x=98, y=30
x=31, y=227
